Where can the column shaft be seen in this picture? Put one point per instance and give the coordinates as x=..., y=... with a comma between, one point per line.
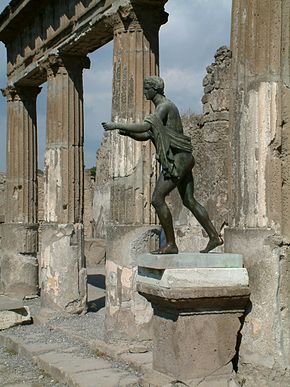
x=19, y=233
x=21, y=155
x=63, y=272
x=256, y=190
x=133, y=168
x=64, y=140
x=260, y=187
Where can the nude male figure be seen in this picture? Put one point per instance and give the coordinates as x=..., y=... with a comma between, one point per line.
x=174, y=152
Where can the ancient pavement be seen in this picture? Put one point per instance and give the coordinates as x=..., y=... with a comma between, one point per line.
x=71, y=351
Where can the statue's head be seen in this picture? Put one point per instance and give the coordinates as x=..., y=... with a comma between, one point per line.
x=153, y=83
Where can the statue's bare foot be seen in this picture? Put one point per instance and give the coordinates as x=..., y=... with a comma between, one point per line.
x=168, y=249
x=212, y=244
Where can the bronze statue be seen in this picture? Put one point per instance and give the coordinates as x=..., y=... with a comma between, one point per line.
x=174, y=152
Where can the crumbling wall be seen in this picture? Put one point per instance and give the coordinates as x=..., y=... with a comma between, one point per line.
x=210, y=139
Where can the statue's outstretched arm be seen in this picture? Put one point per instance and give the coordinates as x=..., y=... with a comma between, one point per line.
x=131, y=128
x=137, y=136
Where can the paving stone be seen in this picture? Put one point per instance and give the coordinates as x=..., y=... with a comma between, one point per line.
x=108, y=378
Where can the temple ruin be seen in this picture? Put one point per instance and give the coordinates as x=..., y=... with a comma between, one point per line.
x=243, y=135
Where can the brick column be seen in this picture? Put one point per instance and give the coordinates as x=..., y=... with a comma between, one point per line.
x=132, y=167
x=63, y=274
x=19, y=233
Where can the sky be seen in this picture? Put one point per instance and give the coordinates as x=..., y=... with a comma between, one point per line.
x=194, y=31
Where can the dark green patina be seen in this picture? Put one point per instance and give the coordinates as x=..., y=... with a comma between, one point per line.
x=174, y=152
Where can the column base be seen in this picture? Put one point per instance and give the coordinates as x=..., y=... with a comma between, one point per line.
x=263, y=354
x=195, y=326
x=63, y=275
x=128, y=315
x=18, y=259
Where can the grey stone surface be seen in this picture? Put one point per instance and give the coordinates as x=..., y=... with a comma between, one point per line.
x=198, y=277
x=196, y=318
x=95, y=251
x=63, y=276
x=128, y=315
x=13, y=312
x=188, y=347
x=262, y=352
x=10, y=318
x=18, y=261
x=19, y=238
x=190, y=260
x=8, y=303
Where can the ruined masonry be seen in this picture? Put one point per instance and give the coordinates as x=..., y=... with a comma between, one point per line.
x=242, y=148
x=54, y=49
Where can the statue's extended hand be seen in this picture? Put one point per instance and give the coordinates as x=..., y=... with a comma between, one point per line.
x=109, y=126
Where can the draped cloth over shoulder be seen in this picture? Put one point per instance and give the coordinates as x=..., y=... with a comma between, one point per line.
x=165, y=140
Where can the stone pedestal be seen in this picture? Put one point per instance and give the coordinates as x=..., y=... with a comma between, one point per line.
x=63, y=276
x=128, y=315
x=198, y=300
x=18, y=259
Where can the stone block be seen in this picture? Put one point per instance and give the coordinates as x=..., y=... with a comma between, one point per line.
x=95, y=251
x=19, y=237
x=18, y=261
x=19, y=274
x=125, y=243
x=267, y=263
x=128, y=315
x=62, y=268
x=13, y=312
x=198, y=277
x=190, y=260
x=196, y=321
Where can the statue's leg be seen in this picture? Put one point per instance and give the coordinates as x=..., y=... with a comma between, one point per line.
x=163, y=187
x=186, y=190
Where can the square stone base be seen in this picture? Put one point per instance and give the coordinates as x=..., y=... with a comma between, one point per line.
x=18, y=259
x=195, y=327
x=63, y=275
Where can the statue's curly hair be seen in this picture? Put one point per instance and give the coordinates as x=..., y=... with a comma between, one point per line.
x=156, y=83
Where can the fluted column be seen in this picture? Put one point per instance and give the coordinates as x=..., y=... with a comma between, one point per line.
x=133, y=168
x=260, y=72
x=64, y=139
x=136, y=55
x=260, y=186
x=21, y=155
x=19, y=233
x=63, y=272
